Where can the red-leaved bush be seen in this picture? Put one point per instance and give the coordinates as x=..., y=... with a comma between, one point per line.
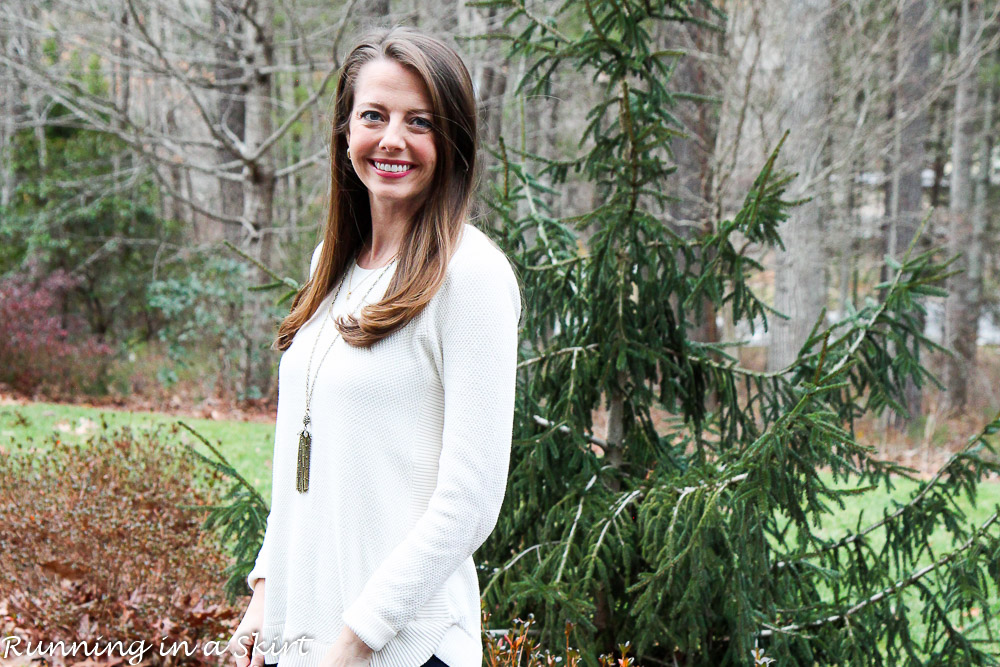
x=42, y=351
x=517, y=648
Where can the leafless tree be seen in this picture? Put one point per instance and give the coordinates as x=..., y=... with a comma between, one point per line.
x=963, y=305
x=800, y=282
x=904, y=198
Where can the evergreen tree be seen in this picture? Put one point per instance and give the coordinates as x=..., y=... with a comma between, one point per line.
x=697, y=542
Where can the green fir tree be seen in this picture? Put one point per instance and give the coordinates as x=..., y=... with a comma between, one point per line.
x=697, y=543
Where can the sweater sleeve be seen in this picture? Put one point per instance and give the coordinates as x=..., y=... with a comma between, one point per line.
x=259, y=570
x=476, y=328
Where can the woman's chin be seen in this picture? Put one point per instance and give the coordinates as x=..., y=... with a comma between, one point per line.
x=395, y=197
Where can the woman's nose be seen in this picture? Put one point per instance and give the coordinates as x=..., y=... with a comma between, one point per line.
x=393, y=138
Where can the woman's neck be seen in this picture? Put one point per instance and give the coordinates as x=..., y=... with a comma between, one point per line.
x=390, y=225
x=381, y=245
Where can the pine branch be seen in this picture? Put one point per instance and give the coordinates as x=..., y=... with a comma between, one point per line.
x=226, y=466
x=975, y=442
x=908, y=581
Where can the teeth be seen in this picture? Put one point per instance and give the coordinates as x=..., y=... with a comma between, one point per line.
x=392, y=167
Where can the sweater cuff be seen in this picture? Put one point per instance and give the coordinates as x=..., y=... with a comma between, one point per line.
x=256, y=573
x=372, y=630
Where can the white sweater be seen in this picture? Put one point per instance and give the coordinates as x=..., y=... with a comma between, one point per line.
x=410, y=452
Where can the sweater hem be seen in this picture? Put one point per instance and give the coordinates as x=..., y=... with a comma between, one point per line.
x=411, y=647
x=460, y=649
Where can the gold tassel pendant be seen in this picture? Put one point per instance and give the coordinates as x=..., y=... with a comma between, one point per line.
x=302, y=469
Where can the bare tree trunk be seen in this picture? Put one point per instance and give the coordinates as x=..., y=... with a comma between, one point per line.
x=962, y=305
x=800, y=273
x=259, y=178
x=905, y=187
x=492, y=88
x=41, y=112
x=488, y=68
x=295, y=141
x=175, y=173
x=843, y=204
x=8, y=103
x=10, y=96
x=981, y=212
x=939, y=148
x=122, y=80
x=228, y=27
x=694, y=157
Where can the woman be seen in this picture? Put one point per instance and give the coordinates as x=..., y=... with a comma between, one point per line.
x=396, y=387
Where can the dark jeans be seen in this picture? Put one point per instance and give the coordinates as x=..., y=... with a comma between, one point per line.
x=433, y=662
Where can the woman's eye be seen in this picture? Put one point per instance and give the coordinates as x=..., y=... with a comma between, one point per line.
x=423, y=122
x=364, y=115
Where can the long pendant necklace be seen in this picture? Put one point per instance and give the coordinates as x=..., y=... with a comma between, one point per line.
x=350, y=289
x=305, y=438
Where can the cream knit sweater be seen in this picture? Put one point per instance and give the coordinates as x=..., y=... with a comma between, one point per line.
x=410, y=453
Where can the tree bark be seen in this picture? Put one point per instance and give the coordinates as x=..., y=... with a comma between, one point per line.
x=259, y=178
x=962, y=306
x=693, y=181
x=229, y=31
x=904, y=193
x=800, y=271
x=492, y=88
x=10, y=95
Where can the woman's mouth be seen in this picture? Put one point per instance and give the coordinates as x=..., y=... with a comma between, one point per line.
x=391, y=169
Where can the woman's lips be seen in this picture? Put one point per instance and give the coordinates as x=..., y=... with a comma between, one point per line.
x=392, y=174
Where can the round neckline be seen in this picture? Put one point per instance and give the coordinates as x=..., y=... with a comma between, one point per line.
x=364, y=271
x=358, y=267
x=360, y=274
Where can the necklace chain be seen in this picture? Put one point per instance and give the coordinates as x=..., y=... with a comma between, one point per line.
x=309, y=391
x=350, y=289
x=305, y=438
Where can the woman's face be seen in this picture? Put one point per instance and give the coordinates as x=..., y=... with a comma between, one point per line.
x=391, y=135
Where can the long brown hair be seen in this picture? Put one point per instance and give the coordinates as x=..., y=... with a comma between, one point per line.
x=436, y=227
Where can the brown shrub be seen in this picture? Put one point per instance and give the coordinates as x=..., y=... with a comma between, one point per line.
x=97, y=547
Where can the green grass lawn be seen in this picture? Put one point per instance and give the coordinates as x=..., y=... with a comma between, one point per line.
x=249, y=447
x=870, y=508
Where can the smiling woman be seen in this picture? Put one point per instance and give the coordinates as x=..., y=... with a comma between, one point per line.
x=391, y=138
x=395, y=387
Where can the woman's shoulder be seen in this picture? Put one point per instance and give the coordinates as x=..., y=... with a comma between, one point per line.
x=479, y=274
x=479, y=257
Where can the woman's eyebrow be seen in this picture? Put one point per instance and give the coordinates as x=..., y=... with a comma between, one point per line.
x=382, y=107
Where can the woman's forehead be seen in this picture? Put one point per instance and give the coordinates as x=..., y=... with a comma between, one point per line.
x=387, y=84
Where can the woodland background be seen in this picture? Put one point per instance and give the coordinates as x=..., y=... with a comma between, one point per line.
x=144, y=142
x=137, y=135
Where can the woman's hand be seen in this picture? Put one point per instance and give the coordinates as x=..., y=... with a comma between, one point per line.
x=348, y=651
x=242, y=644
